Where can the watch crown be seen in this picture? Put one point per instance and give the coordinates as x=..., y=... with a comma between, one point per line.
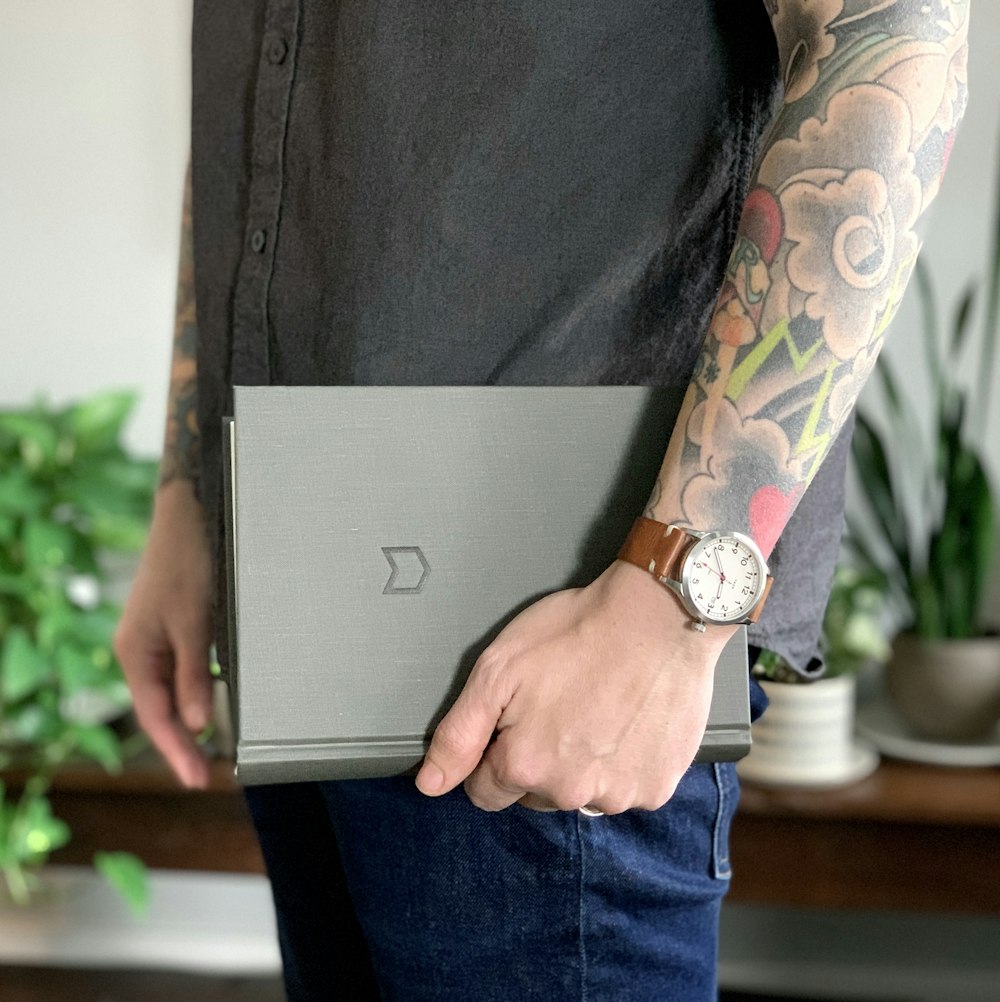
x=697, y=624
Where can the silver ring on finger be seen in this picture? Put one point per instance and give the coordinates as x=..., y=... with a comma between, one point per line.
x=590, y=811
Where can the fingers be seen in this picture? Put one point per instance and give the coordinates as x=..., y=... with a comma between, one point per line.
x=154, y=708
x=193, y=681
x=152, y=671
x=465, y=731
x=493, y=786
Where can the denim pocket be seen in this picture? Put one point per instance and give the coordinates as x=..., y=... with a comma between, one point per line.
x=728, y=791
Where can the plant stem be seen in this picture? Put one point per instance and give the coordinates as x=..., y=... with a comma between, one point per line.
x=17, y=884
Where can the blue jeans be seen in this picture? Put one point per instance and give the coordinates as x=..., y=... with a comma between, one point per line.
x=381, y=892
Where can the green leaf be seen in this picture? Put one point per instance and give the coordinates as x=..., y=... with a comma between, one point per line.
x=37, y=832
x=77, y=669
x=55, y=624
x=96, y=627
x=18, y=495
x=128, y=875
x=97, y=423
x=47, y=544
x=15, y=584
x=32, y=723
x=99, y=743
x=119, y=532
x=22, y=668
x=8, y=528
x=36, y=438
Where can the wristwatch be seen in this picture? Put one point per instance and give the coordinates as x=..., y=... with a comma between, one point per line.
x=719, y=577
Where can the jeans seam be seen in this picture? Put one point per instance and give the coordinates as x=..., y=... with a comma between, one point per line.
x=720, y=852
x=581, y=916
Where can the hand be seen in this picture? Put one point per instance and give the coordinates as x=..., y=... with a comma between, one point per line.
x=164, y=635
x=597, y=695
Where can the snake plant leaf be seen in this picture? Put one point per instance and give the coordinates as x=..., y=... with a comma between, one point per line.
x=963, y=316
x=928, y=621
x=930, y=329
x=982, y=533
x=876, y=480
x=890, y=387
x=991, y=324
x=856, y=540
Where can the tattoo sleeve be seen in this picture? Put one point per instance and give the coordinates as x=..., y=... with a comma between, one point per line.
x=874, y=90
x=182, y=442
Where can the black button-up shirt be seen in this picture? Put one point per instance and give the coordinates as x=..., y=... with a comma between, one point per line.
x=456, y=192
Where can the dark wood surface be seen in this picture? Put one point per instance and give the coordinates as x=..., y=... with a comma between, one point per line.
x=39, y=984
x=907, y=837
x=146, y=811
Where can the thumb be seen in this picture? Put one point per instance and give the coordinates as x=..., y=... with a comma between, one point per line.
x=461, y=737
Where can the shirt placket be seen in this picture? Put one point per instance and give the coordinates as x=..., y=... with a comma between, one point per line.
x=275, y=75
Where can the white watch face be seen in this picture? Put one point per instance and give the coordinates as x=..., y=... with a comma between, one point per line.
x=723, y=577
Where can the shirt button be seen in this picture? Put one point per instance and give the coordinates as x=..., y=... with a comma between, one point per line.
x=277, y=49
x=258, y=239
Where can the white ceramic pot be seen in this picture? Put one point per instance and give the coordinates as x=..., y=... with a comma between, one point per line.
x=806, y=736
x=946, y=690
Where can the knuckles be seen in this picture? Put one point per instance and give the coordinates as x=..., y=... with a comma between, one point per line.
x=518, y=772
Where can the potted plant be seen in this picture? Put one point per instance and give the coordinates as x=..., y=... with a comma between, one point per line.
x=70, y=495
x=929, y=534
x=806, y=738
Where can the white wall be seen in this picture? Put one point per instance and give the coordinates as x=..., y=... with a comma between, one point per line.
x=93, y=123
x=94, y=98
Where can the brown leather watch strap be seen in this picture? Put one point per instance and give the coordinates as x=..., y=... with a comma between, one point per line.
x=759, y=607
x=655, y=547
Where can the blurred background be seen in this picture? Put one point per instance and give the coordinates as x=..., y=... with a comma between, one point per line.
x=94, y=111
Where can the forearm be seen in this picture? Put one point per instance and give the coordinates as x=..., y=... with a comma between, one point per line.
x=825, y=246
x=182, y=444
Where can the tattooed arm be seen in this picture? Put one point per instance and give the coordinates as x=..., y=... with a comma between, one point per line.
x=874, y=90
x=181, y=450
x=600, y=695
x=164, y=635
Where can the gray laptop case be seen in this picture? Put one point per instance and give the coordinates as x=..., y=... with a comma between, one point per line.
x=379, y=537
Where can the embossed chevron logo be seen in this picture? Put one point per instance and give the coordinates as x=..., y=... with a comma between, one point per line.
x=409, y=570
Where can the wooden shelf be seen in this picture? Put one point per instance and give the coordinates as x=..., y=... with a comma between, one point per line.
x=145, y=810
x=909, y=837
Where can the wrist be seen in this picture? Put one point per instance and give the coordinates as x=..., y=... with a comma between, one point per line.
x=719, y=578
x=657, y=604
x=176, y=506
